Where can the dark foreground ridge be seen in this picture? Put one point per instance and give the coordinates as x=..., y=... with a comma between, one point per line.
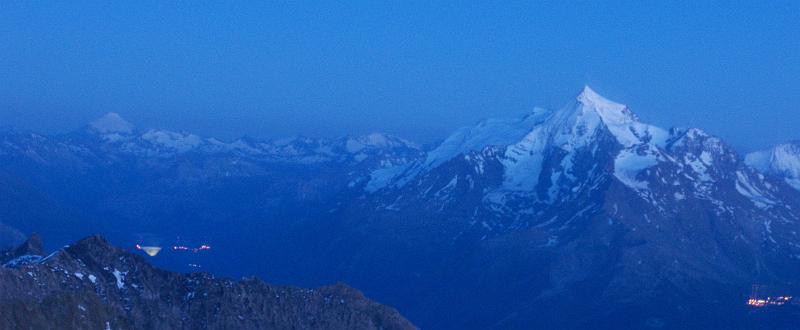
x=94, y=285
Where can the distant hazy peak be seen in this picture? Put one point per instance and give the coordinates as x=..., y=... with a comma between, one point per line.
x=376, y=140
x=111, y=122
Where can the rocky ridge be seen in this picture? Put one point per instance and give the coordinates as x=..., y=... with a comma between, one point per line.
x=93, y=285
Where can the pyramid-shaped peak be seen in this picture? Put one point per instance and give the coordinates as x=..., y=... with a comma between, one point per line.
x=93, y=242
x=112, y=122
x=33, y=246
x=590, y=98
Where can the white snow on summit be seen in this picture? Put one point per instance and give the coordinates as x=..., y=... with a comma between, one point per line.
x=590, y=98
x=620, y=120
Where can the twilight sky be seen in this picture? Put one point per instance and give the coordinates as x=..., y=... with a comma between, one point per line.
x=414, y=69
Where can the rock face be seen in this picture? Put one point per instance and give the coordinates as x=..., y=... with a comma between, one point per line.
x=93, y=285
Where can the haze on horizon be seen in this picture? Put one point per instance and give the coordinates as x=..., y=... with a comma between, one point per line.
x=416, y=70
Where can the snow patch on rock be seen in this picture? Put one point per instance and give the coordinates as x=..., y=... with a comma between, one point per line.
x=120, y=277
x=629, y=164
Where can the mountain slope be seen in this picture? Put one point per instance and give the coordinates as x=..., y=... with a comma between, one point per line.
x=92, y=284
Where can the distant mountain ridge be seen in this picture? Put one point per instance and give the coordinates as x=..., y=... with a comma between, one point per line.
x=561, y=218
x=116, y=131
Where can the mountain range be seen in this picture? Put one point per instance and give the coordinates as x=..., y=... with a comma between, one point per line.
x=558, y=219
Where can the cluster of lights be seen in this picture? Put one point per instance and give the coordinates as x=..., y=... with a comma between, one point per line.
x=153, y=250
x=769, y=301
x=186, y=248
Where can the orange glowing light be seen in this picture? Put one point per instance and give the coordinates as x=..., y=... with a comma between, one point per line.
x=769, y=301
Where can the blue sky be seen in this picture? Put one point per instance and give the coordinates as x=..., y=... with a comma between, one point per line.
x=415, y=69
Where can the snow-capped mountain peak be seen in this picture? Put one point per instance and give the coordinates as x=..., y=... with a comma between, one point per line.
x=584, y=125
x=529, y=141
x=111, y=122
x=619, y=120
x=588, y=97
